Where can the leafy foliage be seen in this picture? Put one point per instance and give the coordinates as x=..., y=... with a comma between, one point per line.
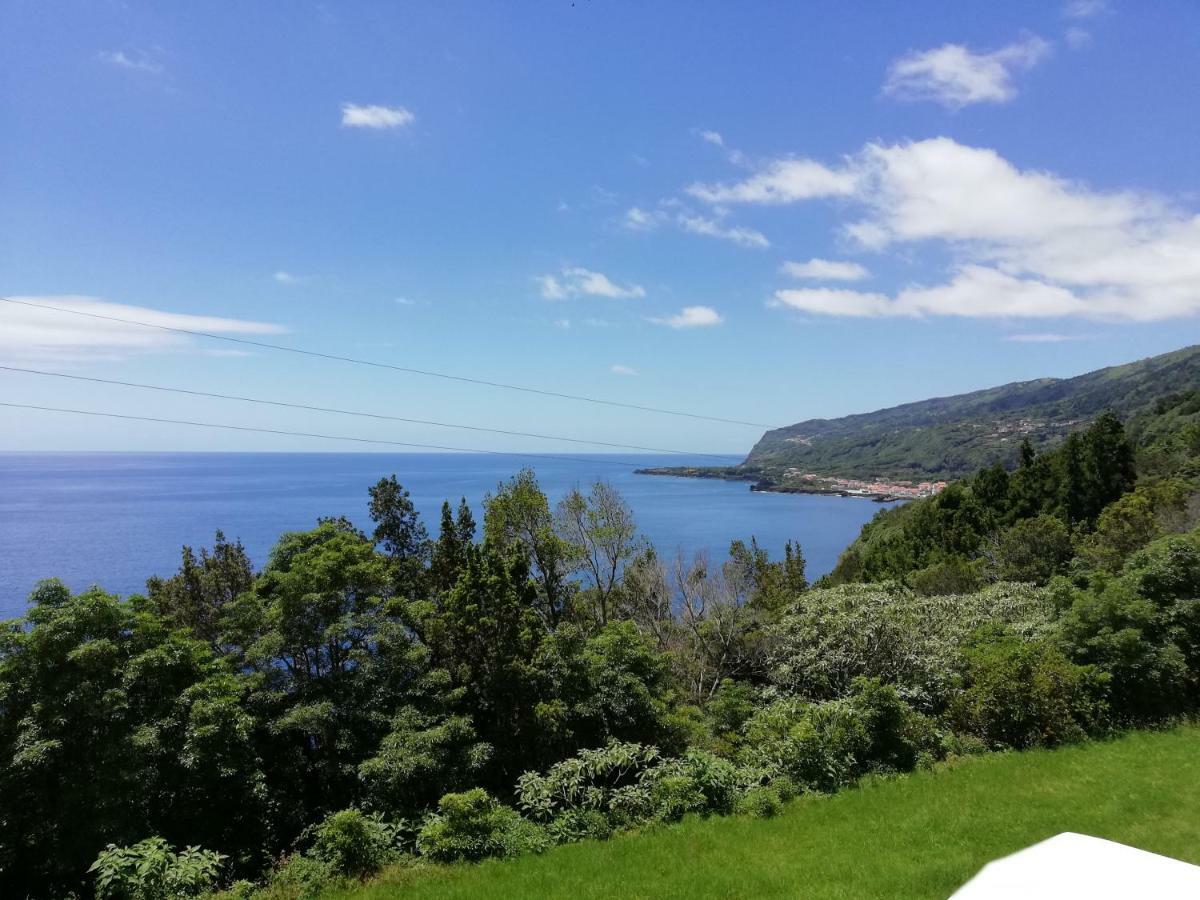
x=152, y=870
x=364, y=699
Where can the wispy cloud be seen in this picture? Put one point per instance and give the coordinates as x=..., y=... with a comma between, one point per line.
x=618, y=369
x=779, y=182
x=31, y=334
x=690, y=317
x=956, y=76
x=1078, y=38
x=743, y=237
x=282, y=277
x=377, y=117
x=1084, y=9
x=825, y=270
x=638, y=219
x=1046, y=338
x=132, y=60
x=576, y=281
x=712, y=137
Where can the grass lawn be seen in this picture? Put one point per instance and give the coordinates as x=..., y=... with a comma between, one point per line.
x=917, y=836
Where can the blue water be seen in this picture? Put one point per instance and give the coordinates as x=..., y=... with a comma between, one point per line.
x=114, y=519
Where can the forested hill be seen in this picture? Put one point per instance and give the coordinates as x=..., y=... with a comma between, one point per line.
x=949, y=437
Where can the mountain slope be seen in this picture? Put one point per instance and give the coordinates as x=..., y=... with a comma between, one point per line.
x=948, y=437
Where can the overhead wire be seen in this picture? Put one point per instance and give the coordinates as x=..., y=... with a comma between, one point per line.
x=347, y=412
x=309, y=434
x=383, y=365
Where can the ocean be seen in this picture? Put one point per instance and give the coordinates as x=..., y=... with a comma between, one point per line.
x=114, y=519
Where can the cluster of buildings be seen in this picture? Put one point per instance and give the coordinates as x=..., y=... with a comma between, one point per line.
x=904, y=489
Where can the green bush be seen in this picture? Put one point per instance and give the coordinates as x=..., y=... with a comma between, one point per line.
x=610, y=779
x=473, y=826
x=579, y=825
x=300, y=877
x=1018, y=693
x=353, y=843
x=819, y=746
x=898, y=735
x=762, y=802
x=954, y=575
x=837, y=634
x=1033, y=550
x=152, y=870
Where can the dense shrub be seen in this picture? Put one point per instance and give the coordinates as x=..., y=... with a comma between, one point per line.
x=609, y=780
x=760, y=802
x=153, y=870
x=1143, y=629
x=472, y=826
x=954, y=575
x=819, y=746
x=837, y=634
x=1019, y=693
x=351, y=842
x=300, y=877
x=1033, y=550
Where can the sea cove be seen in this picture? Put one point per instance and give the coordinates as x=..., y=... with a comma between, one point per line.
x=117, y=518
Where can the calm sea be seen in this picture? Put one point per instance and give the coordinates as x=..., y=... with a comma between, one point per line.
x=114, y=519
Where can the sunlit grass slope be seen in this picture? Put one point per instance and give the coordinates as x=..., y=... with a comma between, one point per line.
x=917, y=836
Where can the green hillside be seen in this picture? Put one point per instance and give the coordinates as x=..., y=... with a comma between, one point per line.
x=948, y=437
x=916, y=837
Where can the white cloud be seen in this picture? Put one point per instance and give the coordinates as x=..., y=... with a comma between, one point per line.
x=974, y=291
x=379, y=117
x=954, y=76
x=135, y=60
x=832, y=302
x=619, y=369
x=825, y=270
x=282, y=277
x=1045, y=338
x=743, y=237
x=31, y=334
x=712, y=137
x=638, y=219
x=1024, y=243
x=782, y=181
x=1084, y=9
x=575, y=281
x=564, y=324
x=691, y=317
x=1078, y=38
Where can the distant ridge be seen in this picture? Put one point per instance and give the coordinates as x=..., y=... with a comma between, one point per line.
x=948, y=437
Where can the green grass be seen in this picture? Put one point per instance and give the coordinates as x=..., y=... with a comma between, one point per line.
x=917, y=836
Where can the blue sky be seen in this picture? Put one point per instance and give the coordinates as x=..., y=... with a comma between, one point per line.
x=764, y=211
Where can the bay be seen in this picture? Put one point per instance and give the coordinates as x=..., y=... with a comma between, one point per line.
x=114, y=519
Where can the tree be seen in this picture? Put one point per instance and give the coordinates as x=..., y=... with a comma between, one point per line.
x=311, y=630
x=398, y=529
x=517, y=520
x=196, y=597
x=450, y=549
x=601, y=528
x=114, y=726
x=1033, y=550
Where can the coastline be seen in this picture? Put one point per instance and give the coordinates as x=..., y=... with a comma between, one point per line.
x=759, y=484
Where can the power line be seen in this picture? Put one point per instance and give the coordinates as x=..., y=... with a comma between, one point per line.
x=310, y=434
x=348, y=412
x=381, y=365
